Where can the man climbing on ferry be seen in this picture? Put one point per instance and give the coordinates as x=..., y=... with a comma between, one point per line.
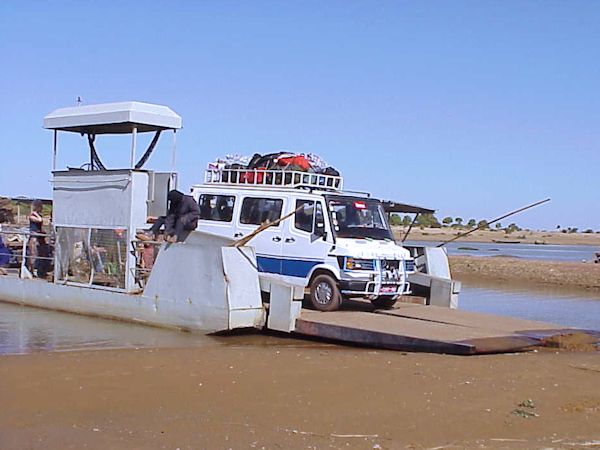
x=182, y=217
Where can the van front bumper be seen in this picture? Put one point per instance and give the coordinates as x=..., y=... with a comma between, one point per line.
x=372, y=289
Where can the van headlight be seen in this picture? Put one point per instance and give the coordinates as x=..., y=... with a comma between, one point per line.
x=359, y=264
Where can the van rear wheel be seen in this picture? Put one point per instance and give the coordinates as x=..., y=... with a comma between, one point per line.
x=324, y=293
x=383, y=302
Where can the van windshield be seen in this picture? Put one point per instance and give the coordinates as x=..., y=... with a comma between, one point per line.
x=358, y=218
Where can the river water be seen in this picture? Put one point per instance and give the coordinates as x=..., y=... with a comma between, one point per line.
x=578, y=309
x=527, y=251
x=24, y=329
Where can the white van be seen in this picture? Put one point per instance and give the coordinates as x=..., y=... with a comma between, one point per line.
x=338, y=244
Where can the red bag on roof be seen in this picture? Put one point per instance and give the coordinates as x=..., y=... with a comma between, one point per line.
x=299, y=161
x=248, y=177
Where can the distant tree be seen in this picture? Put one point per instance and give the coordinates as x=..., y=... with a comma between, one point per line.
x=428, y=220
x=435, y=223
x=589, y=230
x=471, y=223
x=395, y=220
x=511, y=228
x=447, y=221
x=483, y=224
x=558, y=227
x=498, y=225
x=458, y=221
x=572, y=230
x=406, y=221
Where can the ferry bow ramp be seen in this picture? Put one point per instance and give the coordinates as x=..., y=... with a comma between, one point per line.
x=411, y=327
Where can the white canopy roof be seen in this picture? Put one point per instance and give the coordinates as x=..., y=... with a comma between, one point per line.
x=113, y=118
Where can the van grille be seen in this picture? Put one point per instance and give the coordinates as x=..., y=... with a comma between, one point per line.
x=390, y=264
x=366, y=264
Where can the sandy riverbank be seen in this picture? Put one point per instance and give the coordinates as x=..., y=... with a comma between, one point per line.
x=523, y=271
x=524, y=237
x=297, y=396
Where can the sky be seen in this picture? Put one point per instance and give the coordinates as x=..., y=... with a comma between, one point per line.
x=473, y=108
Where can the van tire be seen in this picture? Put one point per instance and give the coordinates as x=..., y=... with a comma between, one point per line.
x=383, y=302
x=324, y=293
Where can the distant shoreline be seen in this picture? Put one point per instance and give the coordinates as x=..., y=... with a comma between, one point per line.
x=499, y=236
x=525, y=272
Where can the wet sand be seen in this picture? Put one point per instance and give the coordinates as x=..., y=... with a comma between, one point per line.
x=498, y=269
x=297, y=395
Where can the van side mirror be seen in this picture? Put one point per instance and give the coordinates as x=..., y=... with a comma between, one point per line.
x=316, y=236
x=319, y=224
x=319, y=232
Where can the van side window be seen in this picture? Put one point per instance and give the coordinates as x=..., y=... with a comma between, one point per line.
x=304, y=217
x=216, y=207
x=256, y=211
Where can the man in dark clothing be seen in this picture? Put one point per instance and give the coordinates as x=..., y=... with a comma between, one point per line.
x=182, y=216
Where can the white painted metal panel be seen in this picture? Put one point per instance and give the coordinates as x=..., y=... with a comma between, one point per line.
x=93, y=200
x=98, y=302
x=283, y=310
x=139, y=197
x=239, y=265
x=437, y=262
x=113, y=113
x=193, y=272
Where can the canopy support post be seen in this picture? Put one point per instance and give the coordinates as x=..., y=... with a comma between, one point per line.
x=174, y=151
x=54, y=150
x=410, y=227
x=133, y=144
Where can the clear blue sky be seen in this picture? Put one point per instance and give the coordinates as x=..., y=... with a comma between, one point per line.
x=472, y=108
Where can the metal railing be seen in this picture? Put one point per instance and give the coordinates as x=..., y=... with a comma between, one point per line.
x=276, y=178
x=33, y=255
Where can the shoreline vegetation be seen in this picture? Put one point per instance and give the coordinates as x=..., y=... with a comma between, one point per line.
x=498, y=236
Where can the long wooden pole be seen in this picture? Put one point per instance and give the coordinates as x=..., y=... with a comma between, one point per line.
x=493, y=221
x=244, y=240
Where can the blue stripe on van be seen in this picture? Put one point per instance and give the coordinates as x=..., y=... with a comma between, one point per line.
x=291, y=267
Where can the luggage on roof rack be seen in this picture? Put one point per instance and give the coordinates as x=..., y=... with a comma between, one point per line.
x=275, y=169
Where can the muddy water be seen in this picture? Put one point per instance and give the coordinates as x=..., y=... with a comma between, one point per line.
x=26, y=330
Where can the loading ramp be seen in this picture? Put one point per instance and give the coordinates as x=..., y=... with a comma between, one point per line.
x=412, y=327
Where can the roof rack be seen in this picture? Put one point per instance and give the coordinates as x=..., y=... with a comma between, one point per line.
x=273, y=178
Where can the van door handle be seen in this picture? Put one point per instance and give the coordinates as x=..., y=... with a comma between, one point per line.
x=238, y=235
x=277, y=239
x=288, y=240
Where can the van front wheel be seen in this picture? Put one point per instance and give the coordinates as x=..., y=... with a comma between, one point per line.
x=383, y=302
x=324, y=293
